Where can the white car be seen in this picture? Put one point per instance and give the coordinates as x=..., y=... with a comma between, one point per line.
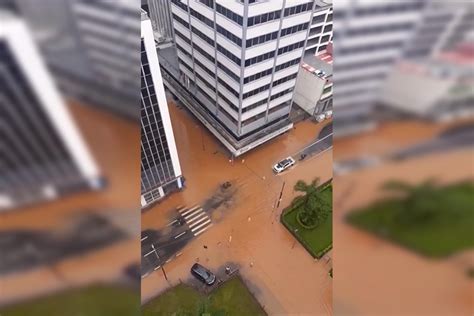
x=283, y=164
x=320, y=117
x=320, y=73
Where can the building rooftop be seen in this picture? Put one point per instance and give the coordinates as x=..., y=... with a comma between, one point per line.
x=322, y=61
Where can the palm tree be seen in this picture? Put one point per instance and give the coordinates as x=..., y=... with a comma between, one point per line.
x=313, y=211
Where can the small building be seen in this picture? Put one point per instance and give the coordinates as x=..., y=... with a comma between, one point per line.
x=438, y=88
x=313, y=91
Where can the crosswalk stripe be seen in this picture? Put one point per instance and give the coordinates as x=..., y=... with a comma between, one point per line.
x=202, y=230
x=190, y=220
x=200, y=225
x=199, y=221
x=188, y=210
x=189, y=215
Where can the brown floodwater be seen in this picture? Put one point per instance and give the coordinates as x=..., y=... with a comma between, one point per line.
x=246, y=231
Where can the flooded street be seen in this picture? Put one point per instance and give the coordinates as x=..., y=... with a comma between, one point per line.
x=371, y=272
x=246, y=231
x=113, y=142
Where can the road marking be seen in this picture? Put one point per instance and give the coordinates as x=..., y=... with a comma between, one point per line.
x=167, y=261
x=144, y=238
x=192, y=213
x=179, y=235
x=200, y=225
x=171, y=223
x=189, y=210
x=203, y=230
x=199, y=221
x=157, y=268
x=149, y=253
x=195, y=218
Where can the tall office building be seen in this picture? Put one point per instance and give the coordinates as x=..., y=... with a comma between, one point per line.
x=320, y=32
x=159, y=12
x=42, y=154
x=240, y=59
x=91, y=47
x=160, y=168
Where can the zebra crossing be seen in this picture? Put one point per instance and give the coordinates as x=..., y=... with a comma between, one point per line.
x=196, y=218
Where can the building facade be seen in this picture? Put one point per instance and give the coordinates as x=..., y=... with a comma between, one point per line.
x=159, y=12
x=42, y=154
x=91, y=48
x=160, y=168
x=241, y=59
x=313, y=91
x=373, y=36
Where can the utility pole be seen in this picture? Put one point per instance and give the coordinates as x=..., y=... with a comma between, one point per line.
x=281, y=194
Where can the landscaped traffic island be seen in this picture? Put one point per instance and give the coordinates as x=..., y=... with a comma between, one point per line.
x=309, y=217
x=230, y=298
x=435, y=221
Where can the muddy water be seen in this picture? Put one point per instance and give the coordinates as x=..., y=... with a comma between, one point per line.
x=246, y=227
x=373, y=276
x=114, y=142
x=389, y=137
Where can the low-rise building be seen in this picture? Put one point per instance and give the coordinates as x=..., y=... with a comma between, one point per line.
x=439, y=88
x=313, y=91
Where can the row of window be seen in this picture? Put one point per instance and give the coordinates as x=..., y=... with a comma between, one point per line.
x=290, y=48
x=209, y=3
x=229, y=88
x=260, y=58
x=299, y=8
x=271, y=36
x=228, y=54
x=228, y=71
x=267, y=86
x=202, y=18
x=210, y=86
x=180, y=5
x=220, y=48
x=281, y=93
x=229, y=103
x=262, y=18
x=229, y=14
x=203, y=36
x=284, y=79
x=269, y=71
x=180, y=20
x=237, y=40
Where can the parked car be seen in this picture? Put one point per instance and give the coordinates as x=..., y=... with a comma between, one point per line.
x=283, y=164
x=320, y=73
x=320, y=117
x=203, y=274
x=328, y=114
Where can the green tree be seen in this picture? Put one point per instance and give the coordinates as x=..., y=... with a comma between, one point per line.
x=313, y=210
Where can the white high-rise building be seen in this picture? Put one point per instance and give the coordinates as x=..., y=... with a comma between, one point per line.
x=91, y=48
x=160, y=168
x=42, y=154
x=241, y=58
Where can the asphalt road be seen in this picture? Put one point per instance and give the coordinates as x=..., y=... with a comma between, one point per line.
x=322, y=142
x=457, y=137
x=161, y=246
